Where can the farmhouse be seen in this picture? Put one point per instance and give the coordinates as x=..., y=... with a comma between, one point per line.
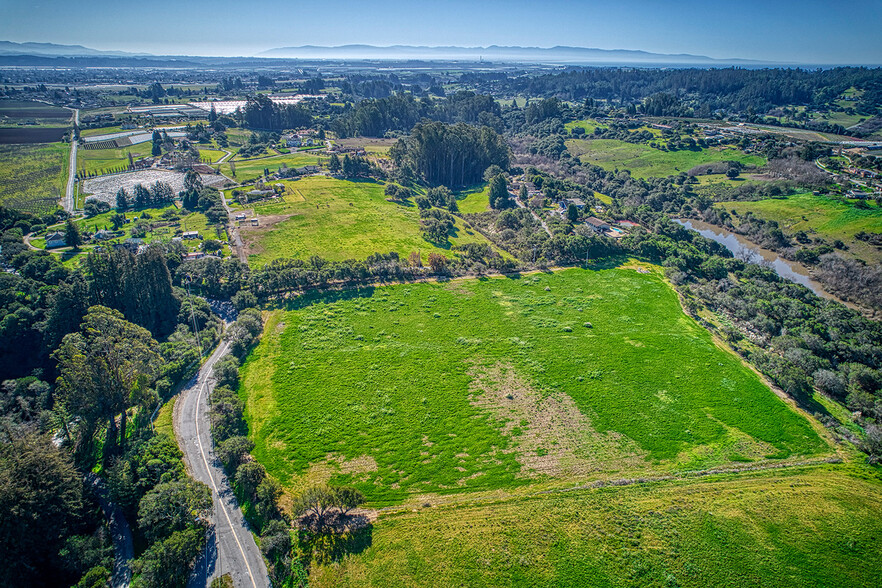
x=240, y=216
x=55, y=239
x=190, y=235
x=291, y=140
x=597, y=224
x=257, y=194
x=194, y=255
x=578, y=202
x=255, y=222
x=102, y=235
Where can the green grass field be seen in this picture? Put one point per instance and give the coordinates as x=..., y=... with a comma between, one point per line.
x=644, y=161
x=250, y=169
x=474, y=200
x=33, y=177
x=804, y=527
x=588, y=124
x=828, y=217
x=339, y=220
x=480, y=385
x=213, y=154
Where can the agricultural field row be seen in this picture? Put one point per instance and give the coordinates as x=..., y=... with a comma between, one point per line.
x=33, y=177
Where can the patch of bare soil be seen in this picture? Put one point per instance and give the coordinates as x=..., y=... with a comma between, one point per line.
x=250, y=234
x=551, y=435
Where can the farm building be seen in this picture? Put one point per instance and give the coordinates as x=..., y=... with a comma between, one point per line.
x=55, y=239
x=255, y=222
x=240, y=216
x=597, y=224
x=190, y=235
x=194, y=255
x=102, y=235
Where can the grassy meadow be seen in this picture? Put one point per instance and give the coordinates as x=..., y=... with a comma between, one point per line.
x=801, y=527
x=251, y=169
x=480, y=385
x=337, y=220
x=831, y=218
x=33, y=177
x=644, y=161
x=474, y=200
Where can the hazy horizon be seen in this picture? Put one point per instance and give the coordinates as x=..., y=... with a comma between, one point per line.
x=806, y=32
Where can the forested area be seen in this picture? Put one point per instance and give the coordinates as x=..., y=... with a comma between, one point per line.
x=87, y=355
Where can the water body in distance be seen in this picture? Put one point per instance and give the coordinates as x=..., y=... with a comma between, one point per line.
x=744, y=249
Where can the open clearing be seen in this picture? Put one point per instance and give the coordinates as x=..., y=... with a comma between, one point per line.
x=644, y=161
x=831, y=218
x=337, y=220
x=251, y=169
x=474, y=200
x=490, y=384
x=802, y=527
x=33, y=177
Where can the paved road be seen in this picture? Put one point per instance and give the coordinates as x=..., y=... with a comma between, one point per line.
x=231, y=548
x=120, y=532
x=522, y=205
x=67, y=203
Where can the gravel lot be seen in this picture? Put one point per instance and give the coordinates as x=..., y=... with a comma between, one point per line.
x=105, y=187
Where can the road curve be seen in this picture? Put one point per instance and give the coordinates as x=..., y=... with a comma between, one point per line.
x=231, y=548
x=67, y=203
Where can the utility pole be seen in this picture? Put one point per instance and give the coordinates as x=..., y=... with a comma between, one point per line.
x=193, y=318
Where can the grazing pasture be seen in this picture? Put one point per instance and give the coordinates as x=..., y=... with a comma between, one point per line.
x=798, y=527
x=251, y=169
x=33, y=177
x=337, y=220
x=829, y=217
x=644, y=161
x=479, y=385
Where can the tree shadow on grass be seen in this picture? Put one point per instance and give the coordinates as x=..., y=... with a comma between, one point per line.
x=338, y=537
x=326, y=296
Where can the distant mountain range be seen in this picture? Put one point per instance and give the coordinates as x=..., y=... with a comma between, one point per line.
x=495, y=53
x=53, y=50
x=551, y=55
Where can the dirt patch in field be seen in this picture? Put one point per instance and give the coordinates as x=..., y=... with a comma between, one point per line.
x=358, y=465
x=251, y=235
x=456, y=286
x=551, y=435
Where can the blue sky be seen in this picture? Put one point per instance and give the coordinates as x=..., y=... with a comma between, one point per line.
x=807, y=31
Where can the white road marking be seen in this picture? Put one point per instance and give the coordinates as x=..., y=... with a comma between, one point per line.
x=211, y=478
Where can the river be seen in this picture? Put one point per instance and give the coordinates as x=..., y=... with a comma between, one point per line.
x=742, y=248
